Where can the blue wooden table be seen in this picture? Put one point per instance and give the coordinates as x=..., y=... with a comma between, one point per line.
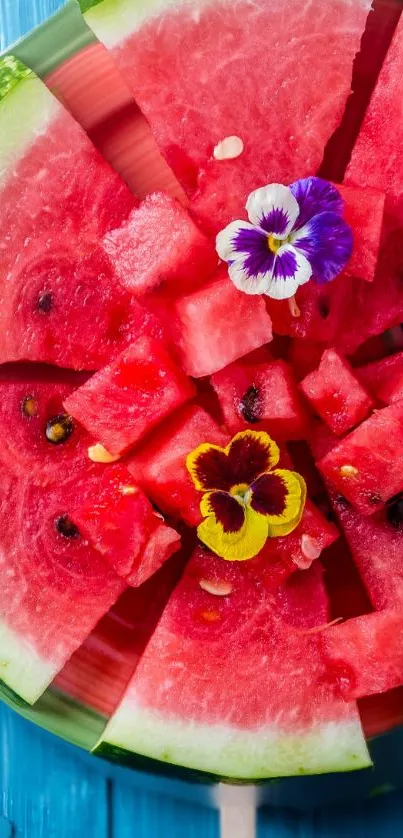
x=47, y=790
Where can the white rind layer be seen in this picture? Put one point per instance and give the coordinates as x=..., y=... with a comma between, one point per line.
x=22, y=668
x=113, y=21
x=236, y=753
x=26, y=113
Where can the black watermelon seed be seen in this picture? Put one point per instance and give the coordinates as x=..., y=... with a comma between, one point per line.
x=324, y=308
x=66, y=527
x=59, y=428
x=29, y=406
x=250, y=406
x=45, y=302
x=394, y=511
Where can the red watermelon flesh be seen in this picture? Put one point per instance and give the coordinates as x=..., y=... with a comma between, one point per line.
x=188, y=64
x=160, y=245
x=302, y=547
x=304, y=356
x=98, y=673
x=367, y=465
x=261, y=397
x=159, y=465
x=336, y=394
x=127, y=398
x=209, y=338
x=120, y=523
x=66, y=198
x=366, y=653
x=55, y=586
x=275, y=716
x=363, y=210
x=379, y=374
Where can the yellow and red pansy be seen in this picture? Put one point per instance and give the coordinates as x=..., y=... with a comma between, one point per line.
x=246, y=499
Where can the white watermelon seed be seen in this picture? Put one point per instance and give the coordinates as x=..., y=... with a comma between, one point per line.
x=229, y=148
x=310, y=547
x=348, y=471
x=220, y=588
x=98, y=454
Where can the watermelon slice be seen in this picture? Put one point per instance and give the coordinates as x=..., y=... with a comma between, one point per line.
x=159, y=465
x=55, y=586
x=123, y=401
x=367, y=465
x=210, y=55
x=336, y=394
x=379, y=374
x=160, y=245
x=363, y=210
x=208, y=338
x=67, y=198
x=262, y=397
x=274, y=717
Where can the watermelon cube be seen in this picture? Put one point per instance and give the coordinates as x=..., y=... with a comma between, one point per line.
x=304, y=356
x=379, y=374
x=336, y=394
x=160, y=245
x=262, y=397
x=367, y=465
x=363, y=210
x=121, y=524
x=159, y=465
x=219, y=324
x=322, y=311
x=392, y=390
x=303, y=546
x=127, y=398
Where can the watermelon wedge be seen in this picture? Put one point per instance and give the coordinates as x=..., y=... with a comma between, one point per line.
x=217, y=714
x=176, y=57
x=66, y=198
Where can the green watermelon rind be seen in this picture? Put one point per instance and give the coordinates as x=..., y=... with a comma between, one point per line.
x=86, y=5
x=26, y=109
x=224, y=752
x=22, y=668
x=113, y=21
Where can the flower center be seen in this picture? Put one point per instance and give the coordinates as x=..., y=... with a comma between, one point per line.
x=274, y=244
x=242, y=493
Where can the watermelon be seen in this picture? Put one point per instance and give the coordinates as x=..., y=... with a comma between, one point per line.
x=208, y=338
x=262, y=397
x=322, y=311
x=246, y=695
x=367, y=465
x=159, y=465
x=127, y=398
x=67, y=198
x=336, y=394
x=55, y=585
x=209, y=55
x=379, y=374
x=160, y=245
x=304, y=356
x=120, y=523
x=366, y=653
x=363, y=210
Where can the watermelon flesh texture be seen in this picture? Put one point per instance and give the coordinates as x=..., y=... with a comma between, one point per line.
x=261, y=397
x=208, y=338
x=366, y=466
x=204, y=47
x=336, y=394
x=127, y=398
x=218, y=715
x=385, y=373
x=160, y=245
x=159, y=465
x=363, y=211
x=120, y=523
x=55, y=586
x=67, y=198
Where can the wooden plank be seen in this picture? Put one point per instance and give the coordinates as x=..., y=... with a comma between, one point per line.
x=155, y=816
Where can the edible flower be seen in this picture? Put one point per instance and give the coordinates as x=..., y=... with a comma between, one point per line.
x=246, y=499
x=294, y=233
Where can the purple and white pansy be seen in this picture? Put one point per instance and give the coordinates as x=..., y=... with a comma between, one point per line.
x=294, y=233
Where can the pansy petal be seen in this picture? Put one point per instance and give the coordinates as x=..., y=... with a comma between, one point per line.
x=291, y=269
x=209, y=468
x=315, y=195
x=228, y=512
x=279, y=496
x=274, y=209
x=286, y=527
x=250, y=284
x=250, y=454
x=239, y=545
x=327, y=242
x=238, y=238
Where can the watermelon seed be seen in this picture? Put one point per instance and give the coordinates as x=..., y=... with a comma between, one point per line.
x=310, y=547
x=324, y=309
x=220, y=588
x=348, y=471
x=45, y=302
x=250, y=405
x=229, y=148
x=66, y=527
x=128, y=490
x=29, y=406
x=98, y=454
x=59, y=428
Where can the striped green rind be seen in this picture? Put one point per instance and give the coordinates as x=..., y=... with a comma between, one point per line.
x=232, y=753
x=22, y=668
x=85, y=5
x=12, y=73
x=113, y=21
